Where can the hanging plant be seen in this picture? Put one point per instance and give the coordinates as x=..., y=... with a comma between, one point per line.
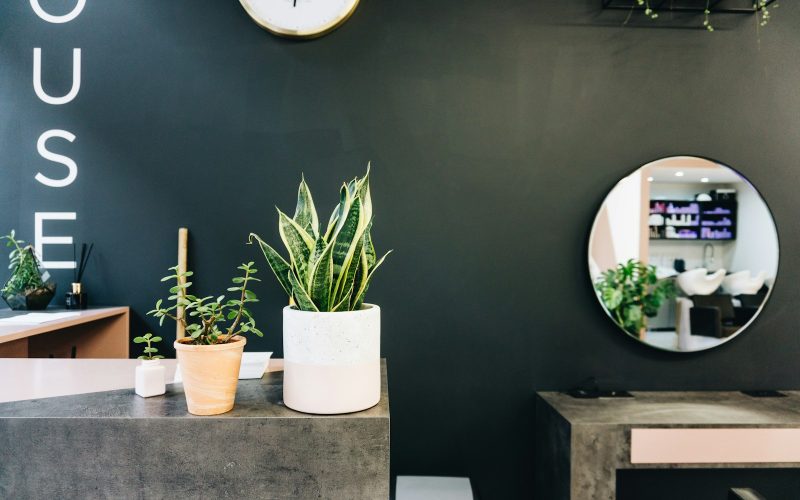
x=761, y=8
x=762, y=11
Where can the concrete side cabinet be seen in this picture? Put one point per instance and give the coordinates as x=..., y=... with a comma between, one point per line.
x=583, y=443
x=117, y=445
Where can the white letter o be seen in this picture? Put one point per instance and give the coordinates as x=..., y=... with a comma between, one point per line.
x=58, y=19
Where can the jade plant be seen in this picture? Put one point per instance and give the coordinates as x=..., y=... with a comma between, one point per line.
x=210, y=320
x=149, y=350
x=327, y=270
x=631, y=292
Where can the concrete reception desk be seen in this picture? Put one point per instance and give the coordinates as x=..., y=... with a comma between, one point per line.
x=114, y=444
x=582, y=444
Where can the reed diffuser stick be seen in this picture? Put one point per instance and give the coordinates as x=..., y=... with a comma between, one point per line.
x=84, y=260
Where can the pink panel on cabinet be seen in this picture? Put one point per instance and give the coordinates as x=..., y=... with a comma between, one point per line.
x=705, y=446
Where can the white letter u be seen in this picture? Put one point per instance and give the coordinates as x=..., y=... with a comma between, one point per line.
x=37, y=78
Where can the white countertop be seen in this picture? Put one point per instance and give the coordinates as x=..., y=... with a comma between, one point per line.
x=46, y=378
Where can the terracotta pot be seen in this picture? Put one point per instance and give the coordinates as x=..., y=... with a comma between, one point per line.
x=210, y=374
x=332, y=360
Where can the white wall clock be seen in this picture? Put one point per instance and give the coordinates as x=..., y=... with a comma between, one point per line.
x=300, y=18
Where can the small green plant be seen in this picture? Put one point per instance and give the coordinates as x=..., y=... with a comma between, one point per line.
x=632, y=293
x=210, y=320
x=149, y=350
x=25, y=273
x=327, y=271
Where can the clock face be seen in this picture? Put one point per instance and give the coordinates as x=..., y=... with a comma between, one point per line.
x=299, y=18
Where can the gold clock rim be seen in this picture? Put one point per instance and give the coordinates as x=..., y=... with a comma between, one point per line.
x=275, y=30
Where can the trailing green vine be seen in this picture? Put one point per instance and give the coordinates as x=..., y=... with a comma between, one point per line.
x=648, y=11
x=761, y=8
x=707, y=16
x=763, y=11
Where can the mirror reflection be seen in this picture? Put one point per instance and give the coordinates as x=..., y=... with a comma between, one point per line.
x=683, y=254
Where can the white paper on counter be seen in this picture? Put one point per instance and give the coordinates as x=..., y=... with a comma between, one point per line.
x=254, y=365
x=37, y=318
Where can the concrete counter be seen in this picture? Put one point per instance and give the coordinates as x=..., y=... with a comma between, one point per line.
x=115, y=444
x=582, y=443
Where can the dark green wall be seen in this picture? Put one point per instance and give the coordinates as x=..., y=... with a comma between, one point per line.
x=495, y=130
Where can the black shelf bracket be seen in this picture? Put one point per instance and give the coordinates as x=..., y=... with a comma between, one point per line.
x=697, y=6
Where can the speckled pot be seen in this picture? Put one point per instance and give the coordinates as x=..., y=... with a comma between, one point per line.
x=332, y=360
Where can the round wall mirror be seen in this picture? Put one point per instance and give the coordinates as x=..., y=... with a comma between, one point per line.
x=683, y=254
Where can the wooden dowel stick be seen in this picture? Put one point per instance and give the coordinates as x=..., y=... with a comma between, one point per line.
x=183, y=245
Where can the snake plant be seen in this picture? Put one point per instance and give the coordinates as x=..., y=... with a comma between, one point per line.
x=330, y=270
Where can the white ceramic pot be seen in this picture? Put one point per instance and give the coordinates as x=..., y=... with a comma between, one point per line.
x=150, y=378
x=332, y=360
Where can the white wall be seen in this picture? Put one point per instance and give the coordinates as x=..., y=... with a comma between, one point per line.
x=624, y=205
x=757, y=238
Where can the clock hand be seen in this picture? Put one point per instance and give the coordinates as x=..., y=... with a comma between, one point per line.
x=294, y=4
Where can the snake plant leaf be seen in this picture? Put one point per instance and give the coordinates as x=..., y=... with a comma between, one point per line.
x=277, y=263
x=301, y=297
x=344, y=304
x=297, y=242
x=322, y=279
x=352, y=267
x=360, y=278
x=352, y=187
x=362, y=293
x=345, y=286
x=345, y=202
x=332, y=223
x=305, y=214
x=319, y=248
x=364, y=194
x=347, y=239
x=369, y=248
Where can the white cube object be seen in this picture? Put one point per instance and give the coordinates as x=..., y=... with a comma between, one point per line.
x=150, y=378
